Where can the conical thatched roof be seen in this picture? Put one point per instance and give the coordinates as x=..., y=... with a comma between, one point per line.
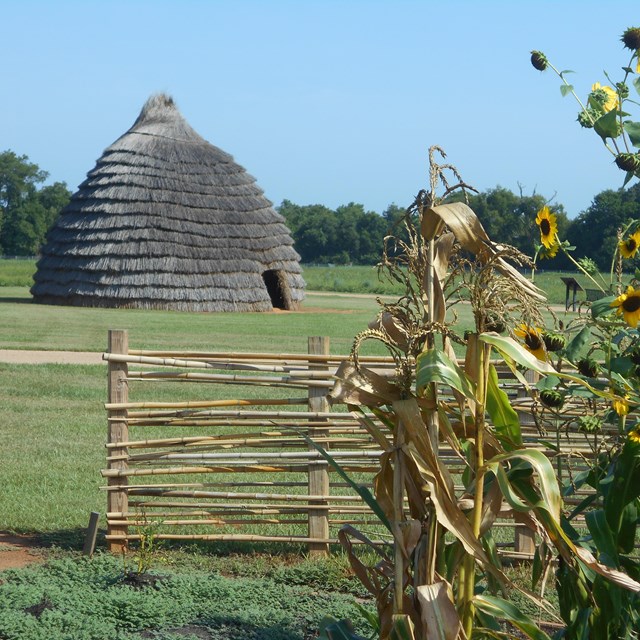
x=166, y=220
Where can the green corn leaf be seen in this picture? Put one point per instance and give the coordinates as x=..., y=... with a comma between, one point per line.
x=628, y=527
x=505, y=610
x=503, y=416
x=633, y=131
x=625, y=485
x=602, y=538
x=513, y=352
x=435, y=366
x=361, y=490
x=548, y=484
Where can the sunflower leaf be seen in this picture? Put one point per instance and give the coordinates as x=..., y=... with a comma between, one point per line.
x=606, y=126
x=601, y=307
x=578, y=343
x=566, y=89
x=636, y=84
x=633, y=131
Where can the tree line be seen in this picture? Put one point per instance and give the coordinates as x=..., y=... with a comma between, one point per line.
x=349, y=234
x=27, y=210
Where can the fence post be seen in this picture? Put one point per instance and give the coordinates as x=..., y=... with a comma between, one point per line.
x=318, y=473
x=118, y=431
x=524, y=538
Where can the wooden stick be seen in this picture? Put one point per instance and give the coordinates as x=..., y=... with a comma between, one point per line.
x=235, y=537
x=277, y=437
x=236, y=455
x=118, y=429
x=231, y=495
x=240, y=468
x=202, y=404
x=235, y=355
x=274, y=415
x=263, y=381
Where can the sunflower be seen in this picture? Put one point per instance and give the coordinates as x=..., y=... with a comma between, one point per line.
x=550, y=252
x=634, y=435
x=628, y=306
x=605, y=96
x=629, y=246
x=548, y=227
x=620, y=405
x=533, y=340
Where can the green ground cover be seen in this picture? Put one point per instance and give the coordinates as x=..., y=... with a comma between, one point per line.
x=76, y=599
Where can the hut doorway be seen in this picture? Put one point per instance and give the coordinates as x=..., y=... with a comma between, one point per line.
x=274, y=280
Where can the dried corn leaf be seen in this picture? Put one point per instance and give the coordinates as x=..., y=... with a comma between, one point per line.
x=440, y=619
x=470, y=233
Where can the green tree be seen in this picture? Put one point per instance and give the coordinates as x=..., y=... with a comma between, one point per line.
x=511, y=217
x=594, y=231
x=26, y=212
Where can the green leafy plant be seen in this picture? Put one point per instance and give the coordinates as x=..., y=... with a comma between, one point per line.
x=604, y=110
x=443, y=578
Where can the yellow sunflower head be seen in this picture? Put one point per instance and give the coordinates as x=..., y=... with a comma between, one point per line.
x=629, y=246
x=620, y=405
x=634, y=434
x=533, y=340
x=550, y=252
x=628, y=306
x=604, y=96
x=548, y=225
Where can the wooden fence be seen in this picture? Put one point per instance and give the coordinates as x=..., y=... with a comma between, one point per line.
x=186, y=461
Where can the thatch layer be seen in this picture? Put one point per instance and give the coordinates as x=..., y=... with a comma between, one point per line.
x=166, y=220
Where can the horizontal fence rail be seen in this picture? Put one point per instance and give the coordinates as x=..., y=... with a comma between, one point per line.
x=185, y=461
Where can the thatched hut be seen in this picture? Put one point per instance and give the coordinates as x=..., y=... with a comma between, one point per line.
x=166, y=220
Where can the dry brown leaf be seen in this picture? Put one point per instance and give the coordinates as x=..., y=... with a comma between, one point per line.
x=440, y=619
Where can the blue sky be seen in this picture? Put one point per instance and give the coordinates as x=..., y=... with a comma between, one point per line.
x=322, y=101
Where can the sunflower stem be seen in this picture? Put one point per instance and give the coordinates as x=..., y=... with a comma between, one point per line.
x=582, y=269
x=584, y=109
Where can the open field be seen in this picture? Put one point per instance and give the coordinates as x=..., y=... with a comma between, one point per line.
x=339, y=279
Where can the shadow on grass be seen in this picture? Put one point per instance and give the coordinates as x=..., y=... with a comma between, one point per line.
x=227, y=628
x=65, y=539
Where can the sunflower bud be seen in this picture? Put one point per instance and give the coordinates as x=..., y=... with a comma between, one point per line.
x=552, y=398
x=589, y=424
x=622, y=89
x=588, y=367
x=628, y=161
x=539, y=60
x=588, y=116
x=631, y=38
x=554, y=341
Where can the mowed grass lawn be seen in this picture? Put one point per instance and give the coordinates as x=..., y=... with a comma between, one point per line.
x=54, y=424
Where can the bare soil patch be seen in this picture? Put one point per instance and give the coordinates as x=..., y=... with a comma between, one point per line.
x=17, y=551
